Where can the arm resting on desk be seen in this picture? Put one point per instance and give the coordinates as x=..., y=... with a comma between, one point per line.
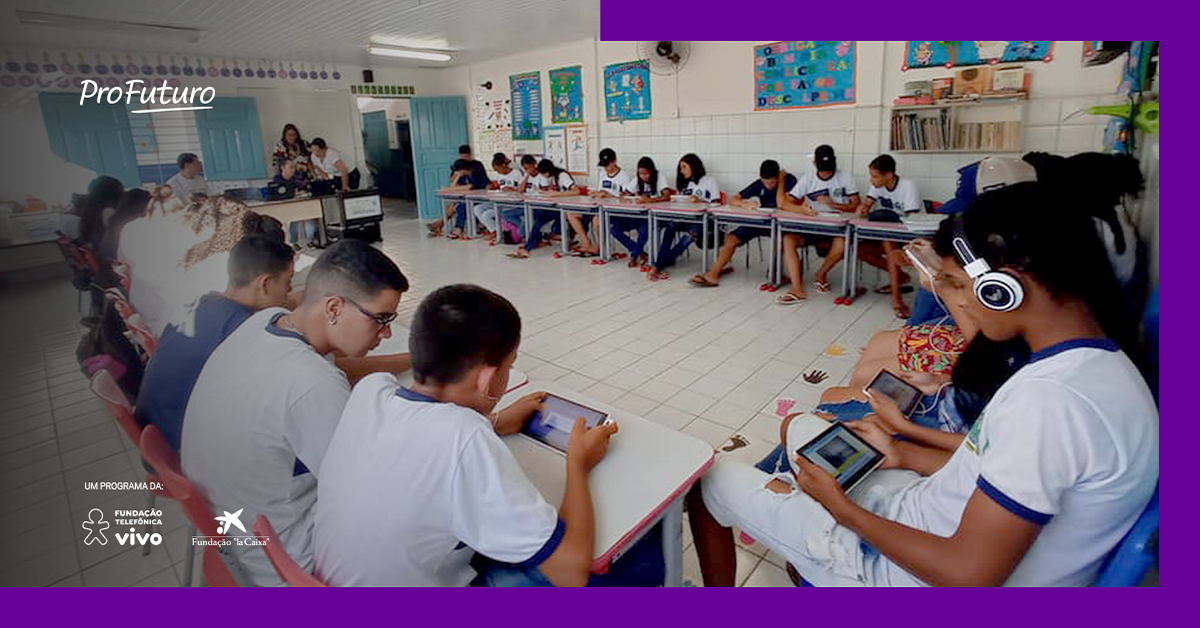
x=358, y=368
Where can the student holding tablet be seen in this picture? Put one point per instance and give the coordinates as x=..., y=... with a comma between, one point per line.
x=650, y=186
x=458, y=509
x=1049, y=479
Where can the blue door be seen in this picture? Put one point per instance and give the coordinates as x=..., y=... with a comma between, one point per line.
x=230, y=140
x=95, y=136
x=439, y=127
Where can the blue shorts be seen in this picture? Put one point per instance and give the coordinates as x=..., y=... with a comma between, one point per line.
x=746, y=234
x=642, y=566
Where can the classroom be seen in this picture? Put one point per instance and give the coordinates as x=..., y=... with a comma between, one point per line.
x=365, y=309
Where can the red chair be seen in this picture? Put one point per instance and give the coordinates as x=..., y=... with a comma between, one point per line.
x=84, y=266
x=124, y=274
x=166, y=464
x=136, y=330
x=289, y=571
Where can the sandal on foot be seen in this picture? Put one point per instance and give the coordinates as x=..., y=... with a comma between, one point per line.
x=702, y=281
x=821, y=286
x=789, y=298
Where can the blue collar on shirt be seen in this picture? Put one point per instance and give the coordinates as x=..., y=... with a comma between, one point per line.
x=274, y=328
x=1107, y=344
x=413, y=395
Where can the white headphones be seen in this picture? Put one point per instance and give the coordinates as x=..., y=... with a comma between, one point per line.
x=997, y=290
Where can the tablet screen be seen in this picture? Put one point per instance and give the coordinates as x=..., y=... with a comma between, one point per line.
x=843, y=454
x=552, y=425
x=903, y=393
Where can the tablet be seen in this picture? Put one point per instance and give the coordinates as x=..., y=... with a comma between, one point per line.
x=843, y=454
x=552, y=425
x=903, y=393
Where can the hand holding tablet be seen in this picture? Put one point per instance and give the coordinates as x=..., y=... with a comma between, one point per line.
x=552, y=424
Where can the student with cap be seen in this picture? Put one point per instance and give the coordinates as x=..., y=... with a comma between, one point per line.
x=612, y=180
x=761, y=193
x=828, y=190
x=419, y=489
x=268, y=399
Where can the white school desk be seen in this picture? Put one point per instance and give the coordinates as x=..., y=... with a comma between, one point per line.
x=735, y=217
x=478, y=197
x=642, y=480
x=863, y=230
x=398, y=343
x=292, y=210
x=837, y=225
x=620, y=207
x=586, y=206
x=543, y=203
x=688, y=213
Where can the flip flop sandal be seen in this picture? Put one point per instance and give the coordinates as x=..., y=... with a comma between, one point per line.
x=557, y=255
x=644, y=268
x=515, y=255
x=821, y=286
x=901, y=311
x=598, y=262
x=584, y=254
x=620, y=255
x=700, y=281
x=788, y=298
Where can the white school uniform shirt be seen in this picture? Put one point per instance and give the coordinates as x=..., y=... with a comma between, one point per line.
x=184, y=187
x=510, y=180
x=839, y=188
x=635, y=183
x=563, y=182
x=902, y=199
x=412, y=488
x=615, y=184
x=255, y=432
x=1069, y=442
x=329, y=164
x=705, y=189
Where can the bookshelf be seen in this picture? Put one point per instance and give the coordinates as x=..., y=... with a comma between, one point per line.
x=958, y=127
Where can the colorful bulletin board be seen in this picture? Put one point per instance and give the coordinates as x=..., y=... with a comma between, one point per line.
x=566, y=95
x=929, y=54
x=526, y=96
x=792, y=74
x=627, y=91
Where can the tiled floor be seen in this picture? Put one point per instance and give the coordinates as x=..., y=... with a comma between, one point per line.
x=708, y=362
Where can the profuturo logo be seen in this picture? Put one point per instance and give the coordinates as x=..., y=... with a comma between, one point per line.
x=149, y=95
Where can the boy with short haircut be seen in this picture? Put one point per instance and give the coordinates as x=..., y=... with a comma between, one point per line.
x=826, y=190
x=260, y=276
x=896, y=198
x=508, y=181
x=267, y=401
x=189, y=181
x=458, y=509
x=760, y=193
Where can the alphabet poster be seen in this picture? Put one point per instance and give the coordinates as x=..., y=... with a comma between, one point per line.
x=526, y=96
x=795, y=74
x=566, y=95
x=627, y=91
x=930, y=54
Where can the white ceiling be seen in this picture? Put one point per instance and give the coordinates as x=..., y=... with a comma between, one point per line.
x=335, y=31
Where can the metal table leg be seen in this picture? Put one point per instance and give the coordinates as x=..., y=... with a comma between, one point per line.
x=704, y=244
x=528, y=221
x=672, y=533
x=472, y=230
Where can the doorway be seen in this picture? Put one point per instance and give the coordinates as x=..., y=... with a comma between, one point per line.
x=387, y=147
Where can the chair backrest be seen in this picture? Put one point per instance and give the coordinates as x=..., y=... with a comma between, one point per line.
x=106, y=388
x=289, y=571
x=137, y=331
x=1128, y=563
x=165, y=462
x=124, y=274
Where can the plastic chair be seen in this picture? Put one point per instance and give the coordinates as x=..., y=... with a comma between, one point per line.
x=166, y=465
x=1129, y=562
x=289, y=571
x=136, y=330
x=124, y=274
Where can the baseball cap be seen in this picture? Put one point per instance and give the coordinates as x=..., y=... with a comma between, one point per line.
x=990, y=173
x=607, y=156
x=825, y=159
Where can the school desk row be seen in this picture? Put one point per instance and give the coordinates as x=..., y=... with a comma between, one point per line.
x=706, y=216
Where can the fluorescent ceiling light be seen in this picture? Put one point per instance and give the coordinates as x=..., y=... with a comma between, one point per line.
x=55, y=20
x=408, y=54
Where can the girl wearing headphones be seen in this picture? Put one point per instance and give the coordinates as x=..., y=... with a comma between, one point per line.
x=1051, y=476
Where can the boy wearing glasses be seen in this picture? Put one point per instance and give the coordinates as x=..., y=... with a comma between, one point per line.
x=268, y=399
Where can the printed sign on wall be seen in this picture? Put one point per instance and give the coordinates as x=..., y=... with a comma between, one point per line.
x=526, y=96
x=566, y=95
x=929, y=54
x=627, y=91
x=792, y=74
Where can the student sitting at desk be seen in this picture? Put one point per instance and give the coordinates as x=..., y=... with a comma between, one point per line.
x=612, y=180
x=189, y=183
x=650, y=186
x=472, y=517
x=827, y=190
x=760, y=193
x=287, y=182
x=508, y=181
x=896, y=197
x=260, y=276
x=527, y=183
x=1049, y=479
x=551, y=181
x=267, y=400
x=694, y=183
